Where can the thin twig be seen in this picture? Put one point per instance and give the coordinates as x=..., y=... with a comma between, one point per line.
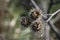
x=36, y=6
x=53, y=15
x=50, y=6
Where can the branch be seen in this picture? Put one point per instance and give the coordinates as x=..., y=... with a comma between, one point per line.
x=54, y=29
x=36, y=6
x=53, y=15
x=50, y=5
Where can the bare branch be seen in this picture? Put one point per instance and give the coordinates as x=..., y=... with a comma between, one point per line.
x=56, y=31
x=36, y=6
x=53, y=15
x=50, y=6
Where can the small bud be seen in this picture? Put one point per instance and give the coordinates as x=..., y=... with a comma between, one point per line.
x=36, y=26
x=25, y=21
x=34, y=14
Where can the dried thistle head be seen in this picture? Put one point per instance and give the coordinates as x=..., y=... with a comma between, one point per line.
x=25, y=21
x=34, y=14
x=36, y=26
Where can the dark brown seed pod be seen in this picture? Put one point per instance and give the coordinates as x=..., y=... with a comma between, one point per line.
x=25, y=21
x=35, y=14
x=36, y=26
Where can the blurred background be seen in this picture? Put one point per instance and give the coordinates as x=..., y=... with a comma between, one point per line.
x=10, y=16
